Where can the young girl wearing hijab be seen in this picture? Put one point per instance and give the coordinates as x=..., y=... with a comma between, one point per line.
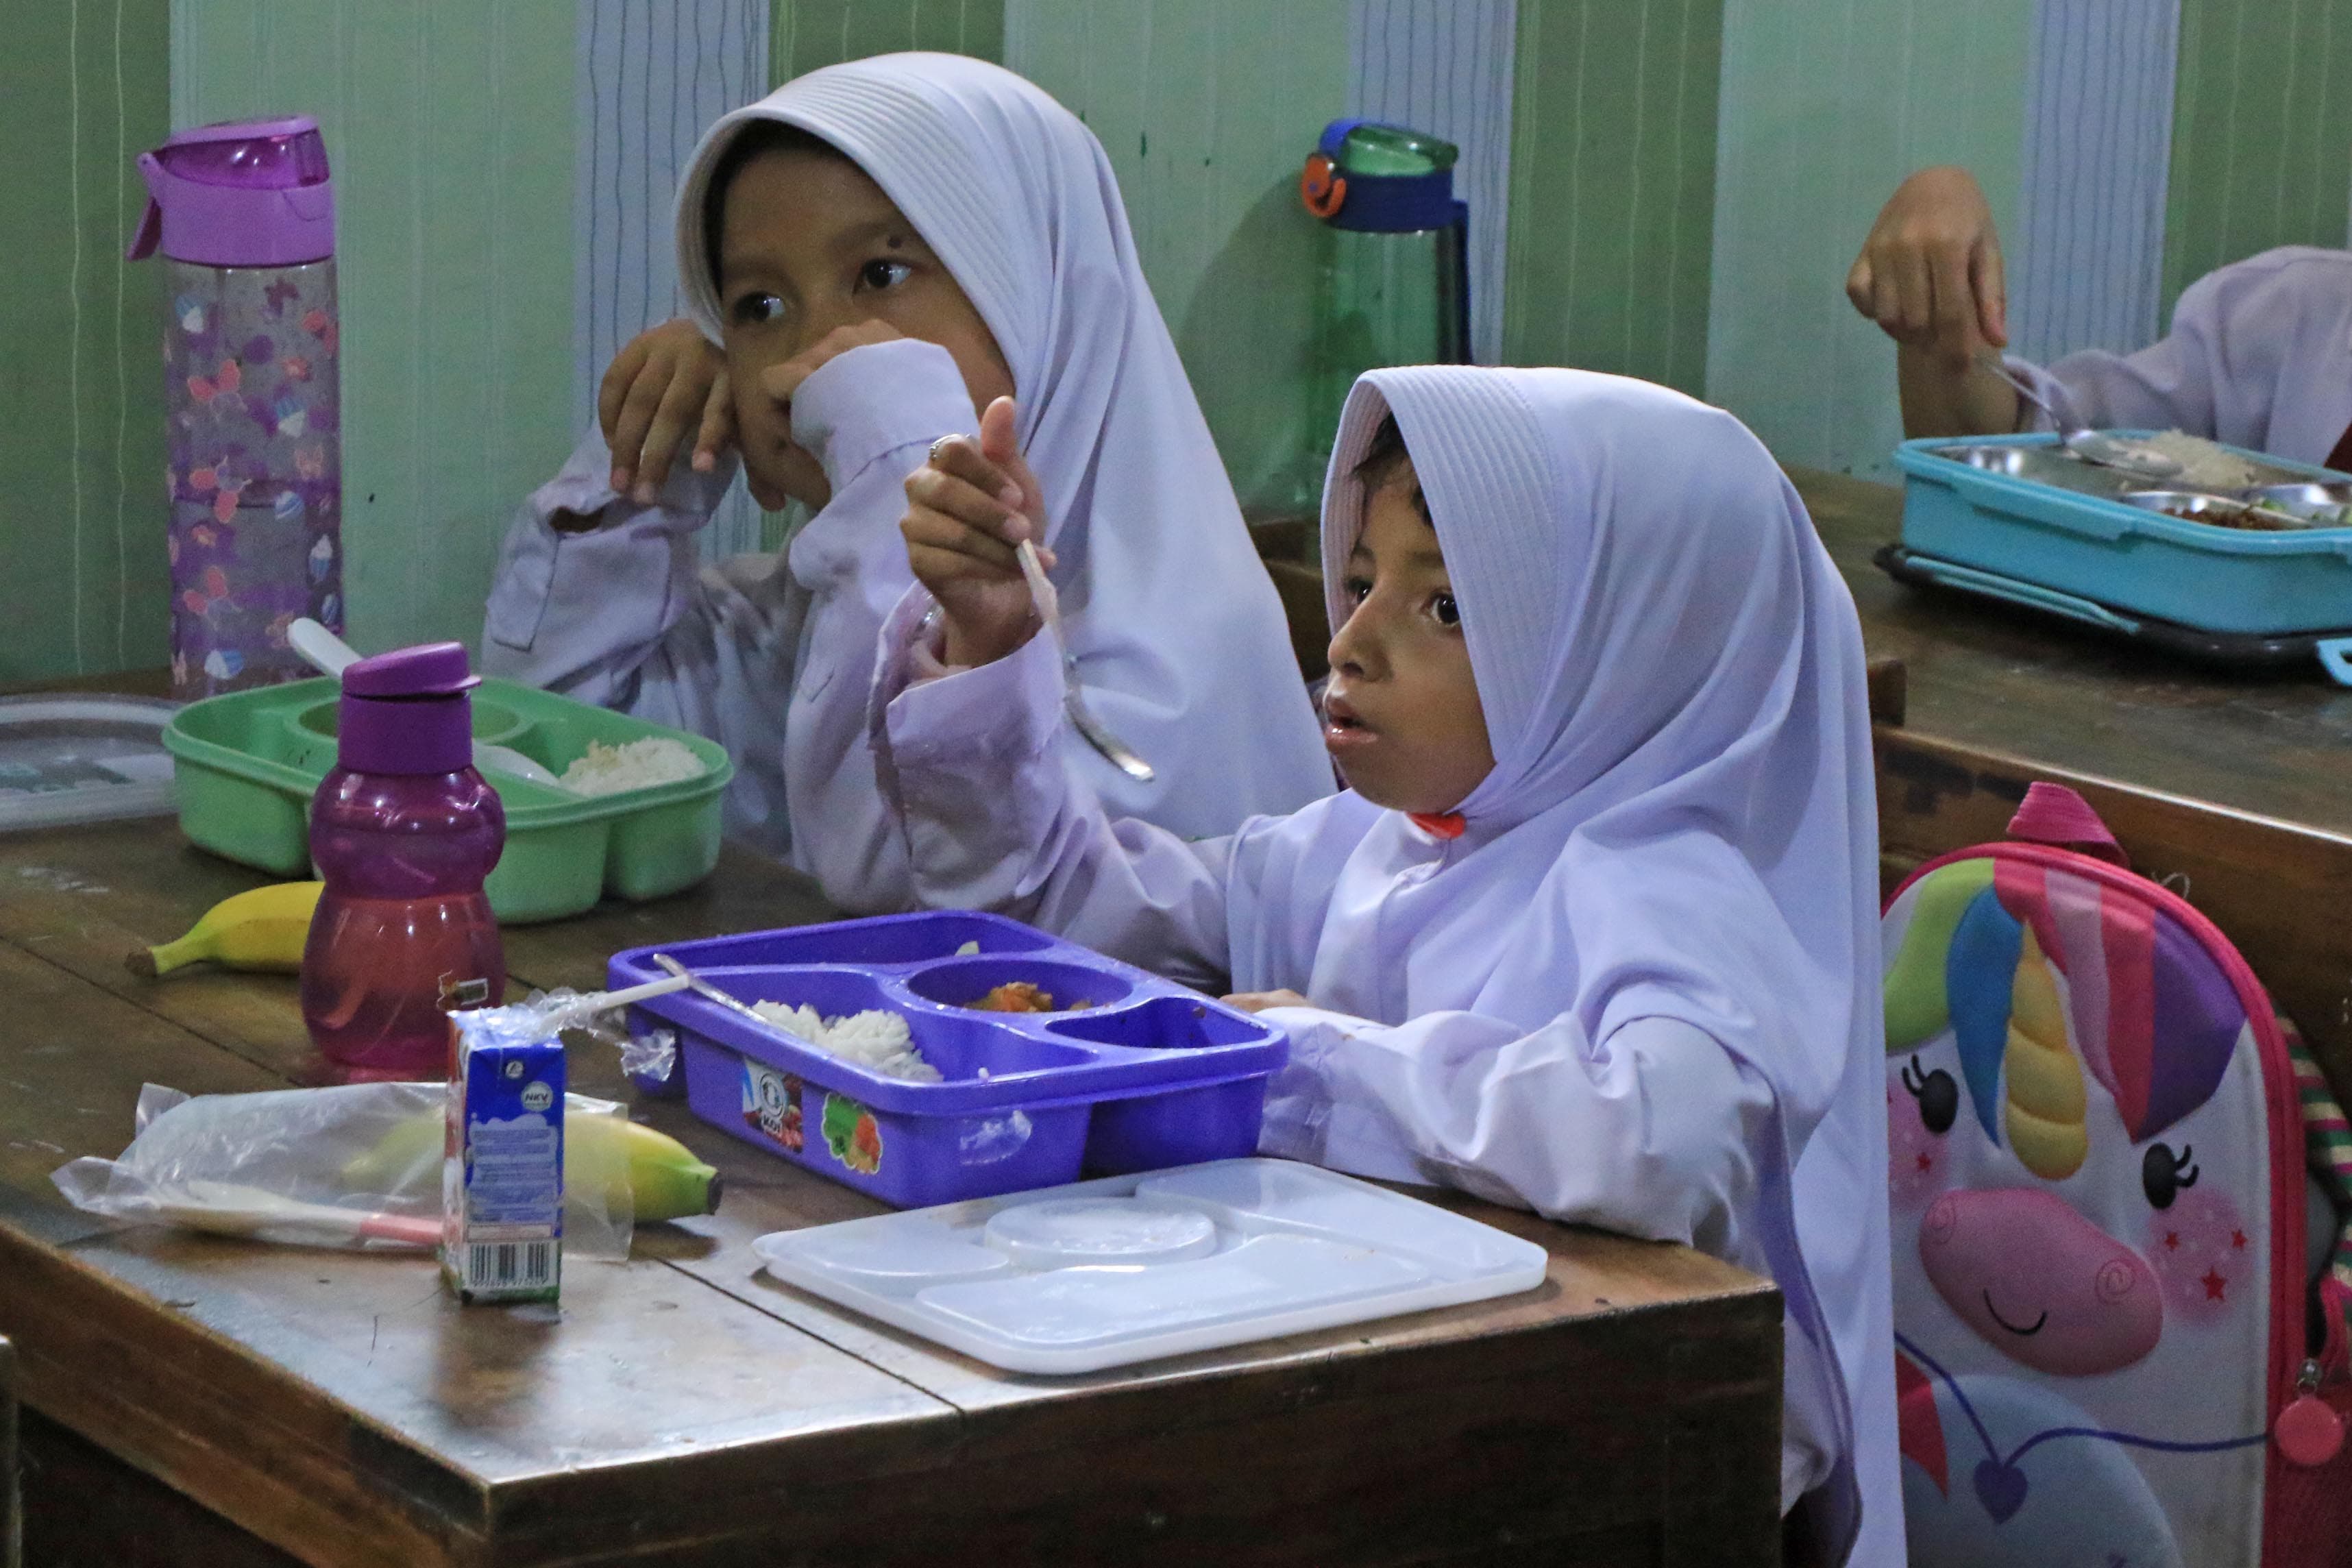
x=881, y=248
x=1594, y=930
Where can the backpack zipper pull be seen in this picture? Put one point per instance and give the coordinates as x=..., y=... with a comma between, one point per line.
x=2308, y=1431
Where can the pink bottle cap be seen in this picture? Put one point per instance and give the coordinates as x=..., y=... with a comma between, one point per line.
x=251, y=193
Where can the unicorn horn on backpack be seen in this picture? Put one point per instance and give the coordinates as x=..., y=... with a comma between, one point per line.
x=2046, y=1102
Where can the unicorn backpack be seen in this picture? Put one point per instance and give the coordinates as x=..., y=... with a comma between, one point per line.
x=2110, y=1352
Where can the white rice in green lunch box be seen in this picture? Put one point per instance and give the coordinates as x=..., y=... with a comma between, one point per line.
x=875, y=1040
x=633, y=764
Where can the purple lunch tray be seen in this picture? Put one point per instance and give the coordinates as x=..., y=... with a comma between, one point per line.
x=1147, y=1075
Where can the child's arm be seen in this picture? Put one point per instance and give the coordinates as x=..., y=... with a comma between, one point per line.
x=1651, y=1132
x=868, y=410
x=1930, y=275
x=2218, y=372
x=973, y=766
x=589, y=583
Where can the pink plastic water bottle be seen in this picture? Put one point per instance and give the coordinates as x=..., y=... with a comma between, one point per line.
x=402, y=831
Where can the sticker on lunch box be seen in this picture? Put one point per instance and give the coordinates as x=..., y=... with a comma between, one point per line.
x=772, y=1102
x=852, y=1133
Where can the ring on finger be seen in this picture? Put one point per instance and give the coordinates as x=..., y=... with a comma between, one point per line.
x=941, y=445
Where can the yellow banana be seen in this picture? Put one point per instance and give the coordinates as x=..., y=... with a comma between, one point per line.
x=663, y=1178
x=263, y=929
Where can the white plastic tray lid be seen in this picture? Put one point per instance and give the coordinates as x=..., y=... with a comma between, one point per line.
x=1129, y=1268
x=72, y=759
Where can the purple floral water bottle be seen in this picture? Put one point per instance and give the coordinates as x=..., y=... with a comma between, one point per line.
x=245, y=216
x=403, y=831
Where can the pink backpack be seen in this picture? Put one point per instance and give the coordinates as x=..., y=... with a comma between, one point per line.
x=2110, y=1352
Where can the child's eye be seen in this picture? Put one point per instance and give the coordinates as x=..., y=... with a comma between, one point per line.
x=1447, y=612
x=880, y=273
x=1357, y=589
x=757, y=310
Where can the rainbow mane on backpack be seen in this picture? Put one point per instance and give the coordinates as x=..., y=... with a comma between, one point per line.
x=2152, y=1017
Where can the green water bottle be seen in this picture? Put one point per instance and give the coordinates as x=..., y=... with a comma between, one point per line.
x=1395, y=288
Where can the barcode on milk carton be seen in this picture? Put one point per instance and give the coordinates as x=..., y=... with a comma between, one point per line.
x=508, y=1264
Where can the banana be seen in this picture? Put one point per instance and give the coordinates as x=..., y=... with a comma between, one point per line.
x=663, y=1178
x=263, y=929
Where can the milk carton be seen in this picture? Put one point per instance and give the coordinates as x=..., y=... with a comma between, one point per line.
x=502, y=1166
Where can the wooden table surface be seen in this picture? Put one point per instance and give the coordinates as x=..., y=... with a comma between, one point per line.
x=2236, y=790
x=680, y=1409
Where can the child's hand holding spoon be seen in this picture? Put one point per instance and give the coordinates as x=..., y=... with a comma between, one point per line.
x=974, y=517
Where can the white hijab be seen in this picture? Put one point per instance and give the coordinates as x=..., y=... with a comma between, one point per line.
x=1179, y=632
x=1680, y=822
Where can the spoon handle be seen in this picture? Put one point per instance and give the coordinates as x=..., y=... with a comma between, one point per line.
x=1114, y=751
x=2023, y=387
x=320, y=649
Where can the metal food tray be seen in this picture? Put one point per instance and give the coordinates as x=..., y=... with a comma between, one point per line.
x=2023, y=511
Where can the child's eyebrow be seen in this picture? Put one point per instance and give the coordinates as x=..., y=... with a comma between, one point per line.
x=744, y=263
x=896, y=229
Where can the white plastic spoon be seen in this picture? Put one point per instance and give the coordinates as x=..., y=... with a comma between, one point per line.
x=330, y=655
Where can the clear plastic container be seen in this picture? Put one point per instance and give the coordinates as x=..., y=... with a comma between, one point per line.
x=1099, y=1274
x=72, y=759
x=243, y=214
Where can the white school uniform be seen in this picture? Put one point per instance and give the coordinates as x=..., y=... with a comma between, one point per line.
x=2259, y=356
x=1641, y=989
x=1178, y=635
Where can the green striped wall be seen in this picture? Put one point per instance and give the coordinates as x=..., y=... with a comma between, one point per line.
x=2261, y=132
x=1824, y=109
x=1689, y=181
x=83, y=89
x=450, y=127
x=1207, y=108
x=805, y=34
x=1613, y=187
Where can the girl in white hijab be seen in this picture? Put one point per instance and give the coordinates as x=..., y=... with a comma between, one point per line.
x=881, y=247
x=1594, y=930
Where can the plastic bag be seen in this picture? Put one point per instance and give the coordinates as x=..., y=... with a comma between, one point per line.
x=592, y=1013
x=358, y=1165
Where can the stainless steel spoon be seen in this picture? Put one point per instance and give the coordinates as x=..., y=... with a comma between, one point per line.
x=1116, y=752
x=2091, y=445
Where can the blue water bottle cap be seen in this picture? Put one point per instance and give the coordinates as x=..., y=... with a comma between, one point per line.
x=1372, y=178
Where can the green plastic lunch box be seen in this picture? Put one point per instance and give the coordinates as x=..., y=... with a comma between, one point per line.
x=247, y=764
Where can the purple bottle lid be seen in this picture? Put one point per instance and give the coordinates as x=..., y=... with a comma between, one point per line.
x=406, y=711
x=252, y=193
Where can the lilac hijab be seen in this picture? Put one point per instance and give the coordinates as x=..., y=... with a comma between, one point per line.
x=1680, y=822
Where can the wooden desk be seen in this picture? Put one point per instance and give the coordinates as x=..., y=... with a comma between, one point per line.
x=679, y=1409
x=2237, y=790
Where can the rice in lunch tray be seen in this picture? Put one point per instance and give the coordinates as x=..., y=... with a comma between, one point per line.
x=875, y=1040
x=633, y=764
x=2205, y=465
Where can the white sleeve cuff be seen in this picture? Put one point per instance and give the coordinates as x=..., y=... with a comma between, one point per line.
x=863, y=404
